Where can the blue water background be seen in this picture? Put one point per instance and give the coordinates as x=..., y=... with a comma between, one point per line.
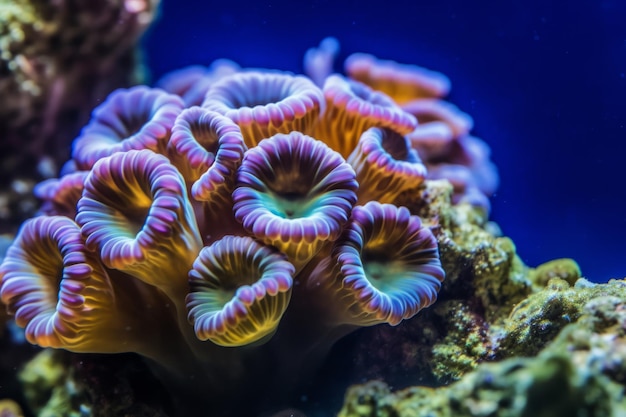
x=545, y=82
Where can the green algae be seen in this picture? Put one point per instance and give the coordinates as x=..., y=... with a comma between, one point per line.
x=49, y=387
x=59, y=383
x=464, y=345
x=566, y=269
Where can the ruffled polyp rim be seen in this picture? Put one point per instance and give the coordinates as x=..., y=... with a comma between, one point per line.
x=401, y=82
x=135, y=118
x=207, y=148
x=295, y=193
x=239, y=291
x=351, y=109
x=56, y=288
x=385, y=166
x=135, y=212
x=389, y=265
x=266, y=103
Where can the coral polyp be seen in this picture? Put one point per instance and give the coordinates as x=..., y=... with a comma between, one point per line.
x=239, y=290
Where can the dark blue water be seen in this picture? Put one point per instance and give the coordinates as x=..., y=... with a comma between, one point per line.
x=545, y=82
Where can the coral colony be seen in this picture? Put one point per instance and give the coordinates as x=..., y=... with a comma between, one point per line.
x=232, y=224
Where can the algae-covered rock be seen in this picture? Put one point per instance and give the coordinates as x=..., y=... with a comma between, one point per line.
x=547, y=386
x=537, y=320
x=57, y=60
x=581, y=371
x=465, y=344
x=57, y=383
x=565, y=268
x=49, y=388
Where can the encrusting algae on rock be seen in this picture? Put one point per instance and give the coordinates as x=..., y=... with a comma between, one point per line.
x=580, y=371
x=49, y=388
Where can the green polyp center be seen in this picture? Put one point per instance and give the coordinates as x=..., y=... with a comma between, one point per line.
x=289, y=205
x=231, y=278
x=383, y=273
x=223, y=296
x=128, y=207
